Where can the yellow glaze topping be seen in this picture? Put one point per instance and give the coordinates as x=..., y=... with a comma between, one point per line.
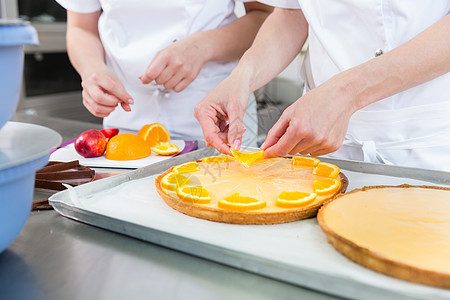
x=264, y=179
x=407, y=225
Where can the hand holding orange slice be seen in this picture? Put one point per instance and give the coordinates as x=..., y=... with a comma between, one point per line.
x=237, y=202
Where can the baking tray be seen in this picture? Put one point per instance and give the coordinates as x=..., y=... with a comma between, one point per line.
x=296, y=252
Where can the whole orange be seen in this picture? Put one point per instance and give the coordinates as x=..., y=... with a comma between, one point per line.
x=127, y=146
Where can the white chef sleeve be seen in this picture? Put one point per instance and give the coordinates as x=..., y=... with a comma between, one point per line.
x=81, y=6
x=282, y=3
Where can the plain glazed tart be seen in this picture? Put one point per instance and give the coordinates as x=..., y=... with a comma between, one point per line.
x=261, y=185
x=402, y=231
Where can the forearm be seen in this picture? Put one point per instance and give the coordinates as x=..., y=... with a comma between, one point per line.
x=419, y=60
x=84, y=47
x=278, y=42
x=229, y=42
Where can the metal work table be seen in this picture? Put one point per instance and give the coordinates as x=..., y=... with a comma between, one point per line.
x=57, y=258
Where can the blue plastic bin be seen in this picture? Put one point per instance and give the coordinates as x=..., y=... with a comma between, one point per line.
x=12, y=39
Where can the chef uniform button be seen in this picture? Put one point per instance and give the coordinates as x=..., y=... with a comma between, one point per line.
x=378, y=52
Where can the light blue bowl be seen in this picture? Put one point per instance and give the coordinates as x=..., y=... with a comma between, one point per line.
x=16, y=190
x=12, y=39
x=24, y=148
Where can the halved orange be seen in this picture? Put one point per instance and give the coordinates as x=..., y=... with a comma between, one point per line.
x=326, y=186
x=217, y=159
x=294, y=199
x=165, y=149
x=246, y=158
x=237, y=202
x=154, y=133
x=189, y=167
x=327, y=170
x=126, y=146
x=305, y=161
x=194, y=194
x=172, y=181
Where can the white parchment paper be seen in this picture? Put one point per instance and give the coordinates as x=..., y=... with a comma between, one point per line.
x=301, y=244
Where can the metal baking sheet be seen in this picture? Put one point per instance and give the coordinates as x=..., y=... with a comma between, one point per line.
x=296, y=252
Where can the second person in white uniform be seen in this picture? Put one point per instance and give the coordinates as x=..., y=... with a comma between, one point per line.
x=376, y=74
x=157, y=59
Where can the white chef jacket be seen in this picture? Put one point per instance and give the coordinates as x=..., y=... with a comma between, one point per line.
x=411, y=128
x=133, y=31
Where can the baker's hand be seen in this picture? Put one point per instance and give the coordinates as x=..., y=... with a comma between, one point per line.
x=221, y=113
x=103, y=91
x=177, y=65
x=315, y=124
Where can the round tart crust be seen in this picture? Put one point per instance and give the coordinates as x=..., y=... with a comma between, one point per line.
x=249, y=217
x=375, y=261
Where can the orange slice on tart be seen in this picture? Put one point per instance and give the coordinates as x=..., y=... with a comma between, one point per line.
x=194, y=194
x=327, y=170
x=237, y=202
x=189, y=167
x=326, y=186
x=217, y=159
x=305, y=161
x=172, y=181
x=295, y=199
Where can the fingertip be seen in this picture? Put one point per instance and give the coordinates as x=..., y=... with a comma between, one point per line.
x=263, y=146
x=125, y=106
x=144, y=79
x=225, y=150
x=237, y=145
x=269, y=153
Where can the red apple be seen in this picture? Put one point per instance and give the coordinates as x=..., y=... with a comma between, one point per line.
x=109, y=132
x=91, y=143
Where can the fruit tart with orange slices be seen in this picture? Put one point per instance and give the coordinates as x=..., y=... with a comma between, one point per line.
x=250, y=189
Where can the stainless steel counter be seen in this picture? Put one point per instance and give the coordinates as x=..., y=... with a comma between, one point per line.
x=57, y=258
